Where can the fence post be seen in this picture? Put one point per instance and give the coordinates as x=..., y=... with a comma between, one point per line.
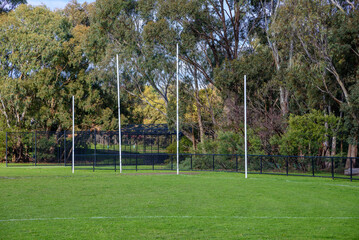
x=144, y=143
x=35, y=148
x=115, y=162
x=287, y=165
x=191, y=163
x=236, y=163
x=95, y=157
x=58, y=148
x=65, y=148
x=158, y=143
x=261, y=164
x=151, y=138
x=213, y=162
x=153, y=163
x=93, y=165
x=130, y=142
x=332, y=168
x=6, y=150
x=313, y=166
x=171, y=162
x=351, y=169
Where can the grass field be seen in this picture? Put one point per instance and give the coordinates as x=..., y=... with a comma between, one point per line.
x=51, y=203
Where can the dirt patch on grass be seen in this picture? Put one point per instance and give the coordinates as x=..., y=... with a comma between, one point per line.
x=162, y=173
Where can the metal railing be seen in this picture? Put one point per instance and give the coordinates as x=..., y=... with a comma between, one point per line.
x=308, y=166
x=99, y=150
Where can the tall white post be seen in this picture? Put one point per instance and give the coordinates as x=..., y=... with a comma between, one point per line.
x=73, y=134
x=245, y=125
x=177, y=119
x=119, y=114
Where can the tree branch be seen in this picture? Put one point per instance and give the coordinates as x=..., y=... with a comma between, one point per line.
x=3, y=110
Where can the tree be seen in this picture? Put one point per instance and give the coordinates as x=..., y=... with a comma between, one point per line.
x=322, y=34
x=78, y=14
x=8, y=5
x=42, y=65
x=211, y=33
x=119, y=29
x=31, y=60
x=306, y=134
x=150, y=107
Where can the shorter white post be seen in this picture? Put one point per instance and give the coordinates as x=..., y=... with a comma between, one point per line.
x=177, y=118
x=73, y=134
x=119, y=115
x=245, y=125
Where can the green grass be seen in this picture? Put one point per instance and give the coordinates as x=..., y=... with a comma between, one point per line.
x=109, y=205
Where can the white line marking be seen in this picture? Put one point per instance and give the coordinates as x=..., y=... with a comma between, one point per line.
x=179, y=217
x=340, y=185
x=327, y=184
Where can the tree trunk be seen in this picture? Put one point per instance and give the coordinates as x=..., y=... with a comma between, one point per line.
x=284, y=101
x=189, y=135
x=352, y=152
x=326, y=149
x=198, y=106
x=200, y=124
x=194, y=140
x=334, y=139
x=232, y=111
x=334, y=146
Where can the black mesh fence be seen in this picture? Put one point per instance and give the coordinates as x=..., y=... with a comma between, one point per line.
x=20, y=149
x=49, y=148
x=129, y=161
x=55, y=148
x=330, y=167
x=98, y=150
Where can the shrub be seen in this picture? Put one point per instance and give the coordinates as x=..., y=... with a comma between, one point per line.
x=306, y=134
x=231, y=143
x=184, y=146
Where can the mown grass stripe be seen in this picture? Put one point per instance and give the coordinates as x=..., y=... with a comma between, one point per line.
x=179, y=217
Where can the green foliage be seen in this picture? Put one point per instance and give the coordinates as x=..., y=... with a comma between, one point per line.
x=351, y=119
x=56, y=68
x=3, y=138
x=46, y=148
x=305, y=134
x=185, y=145
x=151, y=108
x=322, y=49
x=110, y=20
x=310, y=52
x=78, y=14
x=36, y=39
x=231, y=143
x=256, y=65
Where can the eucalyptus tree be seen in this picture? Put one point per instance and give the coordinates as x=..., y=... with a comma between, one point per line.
x=117, y=27
x=42, y=65
x=31, y=62
x=31, y=67
x=325, y=35
x=77, y=13
x=211, y=33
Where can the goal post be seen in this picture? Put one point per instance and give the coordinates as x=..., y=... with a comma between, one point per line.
x=73, y=135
